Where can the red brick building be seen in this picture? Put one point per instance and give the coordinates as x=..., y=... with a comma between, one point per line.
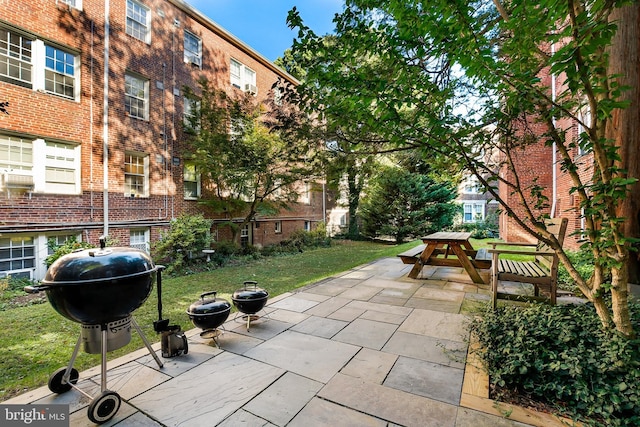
x=92, y=142
x=539, y=163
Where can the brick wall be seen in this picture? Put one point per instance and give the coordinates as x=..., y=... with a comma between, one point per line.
x=38, y=115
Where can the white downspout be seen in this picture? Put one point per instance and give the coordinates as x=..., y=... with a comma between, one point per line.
x=554, y=196
x=105, y=123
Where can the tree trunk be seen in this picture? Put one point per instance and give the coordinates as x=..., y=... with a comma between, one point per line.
x=625, y=124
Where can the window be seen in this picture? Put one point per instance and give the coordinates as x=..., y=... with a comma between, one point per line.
x=278, y=227
x=73, y=3
x=29, y=62
x=307, y=226
x=136, y=98
x=59, y=77
x=16, y=155
x=191, y=110
x=243, y=77
x=139, y=239
x=191, y=181
x=192, y=49
x=471, y=185
x=62, y=167
x=305, y=197
x=473, y=212
x=15, y=58
x=17, y=256
x=244, y=235
x=59, y=240
x=38, y=165
x=136, y=175
x=138, y=20
x=584, y=118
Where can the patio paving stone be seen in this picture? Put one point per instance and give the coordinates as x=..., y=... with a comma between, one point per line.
x=383, y=308
x=434, y=305
x=436, y=381
x=288, y=316
x=306, y=355
x=294, y=303
x=282, y=400
x=313, y=296
x=245, y=419
x=470, y=418
x=381, y=299
x=389, y=404
x=361, y=292
x=366, y=333
x=207, y=395
x=437, y=324
x=320, y=326
x=327, y=307
x=238, y=343
x=320, y=413
x=436, y=350
x=346, y=313
x=439, y=294
x=327, y=289
x=380, y=316
x=370, y=365
x=264, y=328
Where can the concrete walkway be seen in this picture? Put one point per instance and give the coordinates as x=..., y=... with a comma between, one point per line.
x=369, y=347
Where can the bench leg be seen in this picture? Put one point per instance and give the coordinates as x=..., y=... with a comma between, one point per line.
x=494, y=282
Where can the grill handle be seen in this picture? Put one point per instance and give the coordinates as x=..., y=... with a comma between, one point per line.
x=250, y=282
x=34, y=289
x=214, y=293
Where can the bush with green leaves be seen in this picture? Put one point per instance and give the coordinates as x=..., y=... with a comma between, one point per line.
x=561, y=356
x=187, y=236
x=70, y=245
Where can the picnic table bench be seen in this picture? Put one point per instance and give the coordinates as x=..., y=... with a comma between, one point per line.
x=447, y=249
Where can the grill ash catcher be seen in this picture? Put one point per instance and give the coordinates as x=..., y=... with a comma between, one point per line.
x=99, y=288
x=173, y=342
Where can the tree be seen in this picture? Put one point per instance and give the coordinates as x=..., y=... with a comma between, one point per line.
x=249, y=155
x=403, y=204
x=462, y=79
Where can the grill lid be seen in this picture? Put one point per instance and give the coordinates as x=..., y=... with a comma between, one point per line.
x=209, y=305
x=98, y=265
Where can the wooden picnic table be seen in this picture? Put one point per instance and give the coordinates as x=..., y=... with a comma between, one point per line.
x=451, y=249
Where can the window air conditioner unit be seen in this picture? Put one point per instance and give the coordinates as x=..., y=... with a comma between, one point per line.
x=196, y=60
x=249, y=88
x=18, y=181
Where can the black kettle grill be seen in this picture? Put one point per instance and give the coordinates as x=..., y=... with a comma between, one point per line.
x=209, y=315
x=99, y=288
x=249, y=300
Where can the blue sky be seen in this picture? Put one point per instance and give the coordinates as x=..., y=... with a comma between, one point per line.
x=262, y=25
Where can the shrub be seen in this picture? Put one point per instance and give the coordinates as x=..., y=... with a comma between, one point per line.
x=187, y=235
x=70, y=245
x=561, y=356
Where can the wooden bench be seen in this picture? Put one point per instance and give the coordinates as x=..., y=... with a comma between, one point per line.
x=541, y=271
x=411, y=256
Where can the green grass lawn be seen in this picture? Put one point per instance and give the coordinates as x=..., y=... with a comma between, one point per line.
x=36, y=340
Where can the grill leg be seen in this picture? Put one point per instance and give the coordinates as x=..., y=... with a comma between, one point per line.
x=146, y=342
x=103, y=365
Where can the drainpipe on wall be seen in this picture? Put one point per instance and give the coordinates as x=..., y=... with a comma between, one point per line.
x=554, y=177
x=105, y=125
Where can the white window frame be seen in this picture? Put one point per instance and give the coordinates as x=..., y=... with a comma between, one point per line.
x=76, y=4
x=192, y=49
x=138, y=21
x=49, y=167
x=191, y=107
x=476, y=210
x=139, y=239
x=278, y=227
x=27, y=65
x=242, y=77
x=471, y=185
x=585, y=117
x=18, y=255
x=136, y=93
x=193, y=178
x=307, y=226
x=132, y=163
x=60, y=72
x=305, y=197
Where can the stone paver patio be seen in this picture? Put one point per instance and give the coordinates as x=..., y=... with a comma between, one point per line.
x=369, y=347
